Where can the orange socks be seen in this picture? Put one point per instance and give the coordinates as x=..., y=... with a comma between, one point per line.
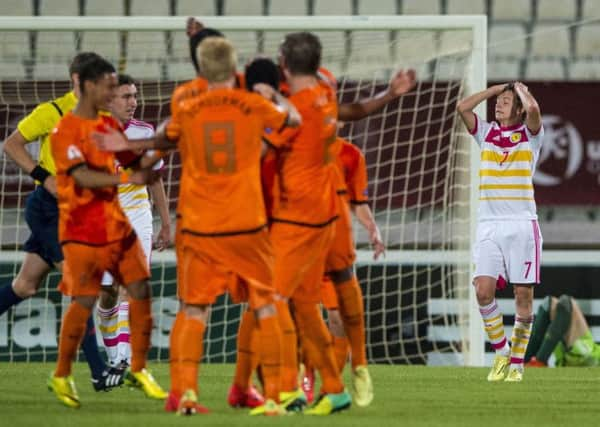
x=71, y=333
x=269, y=333
x=319, y=347
x=289, y=348
x=246, y=358
x=174, y=354
x=189, y=341
x=340, y=349
x=352, y=311
x=140, y=323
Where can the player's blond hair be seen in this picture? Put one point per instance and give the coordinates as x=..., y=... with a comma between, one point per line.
x=217, y=58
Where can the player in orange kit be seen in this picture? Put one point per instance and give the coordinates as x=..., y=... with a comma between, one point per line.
x=94, y=232
x=223, y=220
x=305, y=207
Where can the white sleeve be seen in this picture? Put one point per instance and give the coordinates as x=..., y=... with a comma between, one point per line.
x=535, y=139
x=481, y=130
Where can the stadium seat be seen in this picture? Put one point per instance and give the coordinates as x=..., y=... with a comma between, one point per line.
x=550, y=40
x=512, y=10
x=334, y=44
x=17, y=7
x=298, y=7
x=421, y=7
x=377, y=7
x=560, y=10
x=195, y=8
x=454, y=41
x=587, y=41
x=584, y=69
x=332, y=7
x=51, y=70
x=545, y=69
x=272, y=40
x=180, y=70
x=142, y=45
x=414, y=46
x=507, y=40
x=150, y=8
x=179, y=45
x=104, y=7
x=106, y=43
x=245, y=43
x=370, y=47
x=590, y=9
x=12, y=70
x=55, y=44
x=59, y=7
x=14, y=44
x=243, y=7
x=466, y=7
x=144, y=70
x=503, y=69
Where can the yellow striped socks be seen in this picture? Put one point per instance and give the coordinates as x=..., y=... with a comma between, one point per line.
x=494, y=326
x=519, y=340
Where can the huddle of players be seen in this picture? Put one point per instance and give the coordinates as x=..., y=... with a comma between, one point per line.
x=223, y=239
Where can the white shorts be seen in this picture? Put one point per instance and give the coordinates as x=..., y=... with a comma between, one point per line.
x=141, y=221
x=508, y=249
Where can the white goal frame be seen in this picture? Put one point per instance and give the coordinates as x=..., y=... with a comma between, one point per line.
x=476, y=80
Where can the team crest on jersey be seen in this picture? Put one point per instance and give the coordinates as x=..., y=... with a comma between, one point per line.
x=73, y=153
x=515, y=137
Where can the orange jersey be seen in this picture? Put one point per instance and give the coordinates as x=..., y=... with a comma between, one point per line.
x=352, y=163
x=185, y=92
x=219, y=135
x=304, y=190
x=87, y=215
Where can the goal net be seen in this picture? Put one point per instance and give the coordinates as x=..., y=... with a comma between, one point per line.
x=417, y=298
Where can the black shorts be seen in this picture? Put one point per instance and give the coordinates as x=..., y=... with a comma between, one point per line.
x=41, y=215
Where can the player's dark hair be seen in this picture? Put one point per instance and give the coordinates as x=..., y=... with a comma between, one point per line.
x=262, y=70
x=79, y=60
x=196, y=39
x=517, y=103
x=93, y=70
x=302, y=53
x=125, y=79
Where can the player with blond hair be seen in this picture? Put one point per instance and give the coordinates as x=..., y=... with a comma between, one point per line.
x=223, y=222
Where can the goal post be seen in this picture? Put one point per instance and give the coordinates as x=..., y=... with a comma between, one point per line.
x=422, y=165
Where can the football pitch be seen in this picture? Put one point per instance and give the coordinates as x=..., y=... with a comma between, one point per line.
x=404, y=396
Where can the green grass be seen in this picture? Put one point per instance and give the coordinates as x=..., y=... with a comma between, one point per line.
x=404, y=396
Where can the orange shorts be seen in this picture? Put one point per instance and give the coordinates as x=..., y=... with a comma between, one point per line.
x=342, y=254
x=241, y=265
x=300, y=254
x=329, y=297
x=84, y=265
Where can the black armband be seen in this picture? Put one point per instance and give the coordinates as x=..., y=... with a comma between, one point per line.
x=39, y=174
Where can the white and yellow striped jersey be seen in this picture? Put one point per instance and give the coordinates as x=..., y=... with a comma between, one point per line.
x=134, y=198
x=508, y=159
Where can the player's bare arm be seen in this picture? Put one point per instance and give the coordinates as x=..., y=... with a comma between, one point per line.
x=114, y=140
x=533, y=117
x=14, y=147
x=465, y=107
x=88, y=178
x=159, y=198
x=365, y=217
x=402, y=82
x=265, y=90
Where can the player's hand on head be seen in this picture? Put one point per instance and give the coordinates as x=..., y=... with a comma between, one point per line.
x=110, y=140
x=264, y=90
x=402, y=82
x=193, y=26
x=163, y=240
x=50, y=185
